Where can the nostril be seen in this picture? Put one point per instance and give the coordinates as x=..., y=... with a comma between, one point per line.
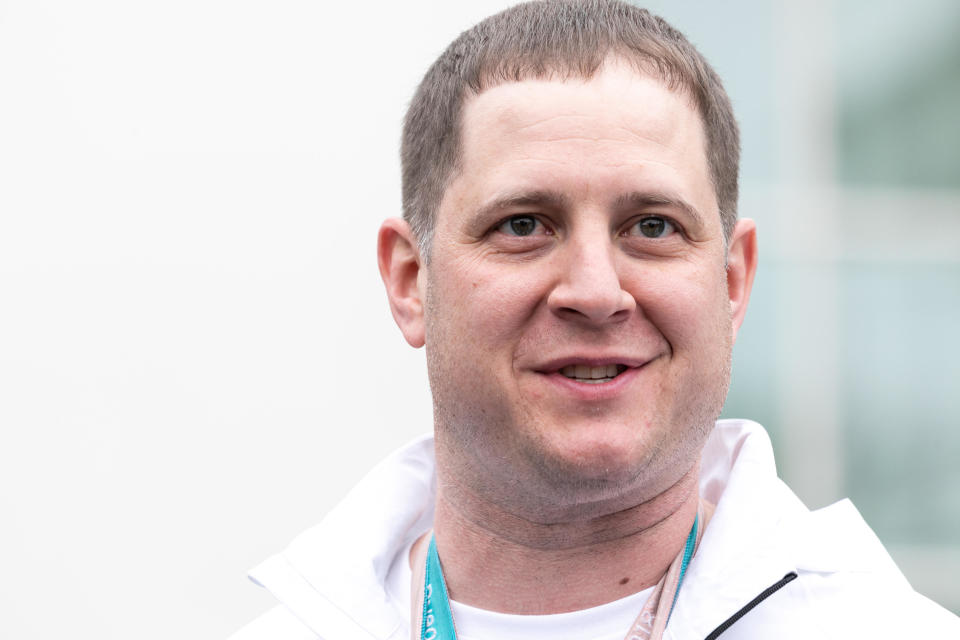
x=570, y=311
x=594, y=304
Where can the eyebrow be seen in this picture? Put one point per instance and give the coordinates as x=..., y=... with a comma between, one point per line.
x=643, y=199
x=546, y=199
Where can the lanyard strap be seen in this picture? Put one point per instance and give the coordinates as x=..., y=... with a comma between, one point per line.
x=436, y=620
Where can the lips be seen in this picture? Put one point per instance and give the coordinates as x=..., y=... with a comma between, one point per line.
x=593, y=375
x=588, y=380
x=590, y=370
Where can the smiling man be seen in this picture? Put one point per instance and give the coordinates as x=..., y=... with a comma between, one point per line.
x=571, y=259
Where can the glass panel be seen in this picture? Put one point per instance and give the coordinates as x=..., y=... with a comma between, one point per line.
x=899, y=93
x=901, y=379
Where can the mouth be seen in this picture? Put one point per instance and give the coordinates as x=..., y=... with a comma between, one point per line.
x=592, y=375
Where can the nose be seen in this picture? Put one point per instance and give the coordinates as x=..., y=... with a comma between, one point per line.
x=589, y=287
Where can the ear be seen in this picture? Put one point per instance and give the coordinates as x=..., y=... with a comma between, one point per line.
x=741, y=267
x=399, y=260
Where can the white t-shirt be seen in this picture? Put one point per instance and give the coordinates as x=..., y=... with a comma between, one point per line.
x=609, y=621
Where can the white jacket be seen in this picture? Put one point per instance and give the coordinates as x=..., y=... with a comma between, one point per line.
x=739, y=585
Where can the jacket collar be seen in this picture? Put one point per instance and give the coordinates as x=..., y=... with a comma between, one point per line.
x=760, y=532
x=740, y=554
x=332, y=576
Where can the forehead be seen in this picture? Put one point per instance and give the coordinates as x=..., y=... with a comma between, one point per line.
x=620, y=130
x=617, y=93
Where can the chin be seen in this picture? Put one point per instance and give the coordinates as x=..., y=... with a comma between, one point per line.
x=597, y=463
x=603, y=462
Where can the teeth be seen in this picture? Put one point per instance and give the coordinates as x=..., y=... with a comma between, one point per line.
x=585, y=373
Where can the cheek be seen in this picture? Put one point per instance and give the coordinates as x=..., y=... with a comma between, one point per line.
x=487, y=304
x=686, y=302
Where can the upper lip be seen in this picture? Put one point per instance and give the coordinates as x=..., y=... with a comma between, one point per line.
x=554, y=365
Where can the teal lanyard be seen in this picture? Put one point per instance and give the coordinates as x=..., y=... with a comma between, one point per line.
x=436, y=622
x=687, y=554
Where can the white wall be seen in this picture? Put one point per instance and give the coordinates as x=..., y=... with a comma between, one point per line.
x=196, y=356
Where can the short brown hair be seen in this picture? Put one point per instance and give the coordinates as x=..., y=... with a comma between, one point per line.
x=554, y=39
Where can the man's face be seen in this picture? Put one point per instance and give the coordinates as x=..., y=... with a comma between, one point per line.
x=578, y=319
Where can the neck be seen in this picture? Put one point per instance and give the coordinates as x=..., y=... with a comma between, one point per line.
x=504, y=562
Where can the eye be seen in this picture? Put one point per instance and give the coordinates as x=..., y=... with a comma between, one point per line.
x=653, y=227
x=521, y=226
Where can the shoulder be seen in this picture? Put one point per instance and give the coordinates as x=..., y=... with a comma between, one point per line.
x=848, y=586
x=278, y=623
x=844, y=585
x=330, y=580
x=855, y=604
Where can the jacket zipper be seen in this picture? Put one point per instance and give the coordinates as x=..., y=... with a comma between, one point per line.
x=769, y=591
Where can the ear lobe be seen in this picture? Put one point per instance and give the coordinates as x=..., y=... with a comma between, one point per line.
x=741, y=268
x=399, y=261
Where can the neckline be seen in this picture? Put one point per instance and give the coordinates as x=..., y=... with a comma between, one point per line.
x=602, y=621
